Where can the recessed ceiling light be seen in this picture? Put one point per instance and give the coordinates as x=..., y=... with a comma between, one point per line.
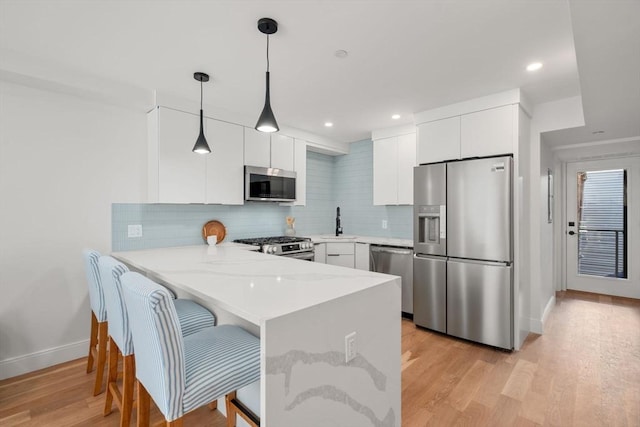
x=395, y=116
x=328, y=124
x=341, y=53
x=534, y=66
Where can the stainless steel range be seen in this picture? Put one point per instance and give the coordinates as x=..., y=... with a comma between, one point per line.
x=289, y=246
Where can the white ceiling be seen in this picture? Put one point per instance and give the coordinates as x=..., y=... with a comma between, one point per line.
x=404, y=56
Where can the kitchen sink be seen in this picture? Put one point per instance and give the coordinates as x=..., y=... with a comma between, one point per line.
x=334, y=237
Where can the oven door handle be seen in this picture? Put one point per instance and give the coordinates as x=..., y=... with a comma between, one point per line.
x=307, y=256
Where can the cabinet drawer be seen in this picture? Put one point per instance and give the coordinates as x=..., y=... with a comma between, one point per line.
x=341, y=260
x=340, y=248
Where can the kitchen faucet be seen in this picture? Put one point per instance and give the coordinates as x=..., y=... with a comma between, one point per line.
x=338, y=227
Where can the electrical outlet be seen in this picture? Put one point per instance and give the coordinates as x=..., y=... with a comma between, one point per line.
x=384, y=224
x=134, y=230
x=350, y=349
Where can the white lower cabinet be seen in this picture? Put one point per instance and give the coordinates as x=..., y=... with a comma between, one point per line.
x=320, y=252
x=341, y=253
x=362, y=256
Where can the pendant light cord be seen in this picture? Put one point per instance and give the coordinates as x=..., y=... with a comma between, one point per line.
x=267, y=53
x=201, y=94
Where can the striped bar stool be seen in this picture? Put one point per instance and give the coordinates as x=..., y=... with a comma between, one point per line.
x=181, y=373
x=192, y=317
x=99, y=326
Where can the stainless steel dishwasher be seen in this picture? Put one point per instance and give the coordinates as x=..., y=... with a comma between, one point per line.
x=399, y=262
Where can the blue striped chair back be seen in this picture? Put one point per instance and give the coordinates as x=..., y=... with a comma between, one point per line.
x=160, y=362
x=110, y=272
x=96, y=293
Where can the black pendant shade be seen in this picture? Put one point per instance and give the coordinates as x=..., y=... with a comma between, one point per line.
x=267, y=121
x=201, y=146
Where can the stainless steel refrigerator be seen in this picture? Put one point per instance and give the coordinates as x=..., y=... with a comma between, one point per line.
x=463, y=249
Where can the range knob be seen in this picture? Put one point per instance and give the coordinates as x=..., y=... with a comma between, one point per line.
x=272, y=249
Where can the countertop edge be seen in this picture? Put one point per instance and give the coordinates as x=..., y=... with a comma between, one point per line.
x=383, y=241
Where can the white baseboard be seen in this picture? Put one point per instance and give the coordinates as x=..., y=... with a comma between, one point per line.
x=547, y=310
x=42, y=359
x=537, y=325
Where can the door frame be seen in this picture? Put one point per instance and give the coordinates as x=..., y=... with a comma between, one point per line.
x=632, y=164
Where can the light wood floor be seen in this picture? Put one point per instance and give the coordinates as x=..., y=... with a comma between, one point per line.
x=584, y=371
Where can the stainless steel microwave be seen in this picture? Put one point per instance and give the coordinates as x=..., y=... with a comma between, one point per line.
x=269, y=184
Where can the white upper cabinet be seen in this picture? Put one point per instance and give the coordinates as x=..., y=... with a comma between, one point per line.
x=282, y=155
x=478, y=134
x=385, y=171
x=406, y=163
x=393, y=162
x=489, y=132
x=257, y=148
x=268, y=150
x=300, y=166
x=439, y=140
x=178, y=175
x=225, y=171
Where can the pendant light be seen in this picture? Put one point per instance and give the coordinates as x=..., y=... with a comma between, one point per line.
x=201, y=146
x=267, y=121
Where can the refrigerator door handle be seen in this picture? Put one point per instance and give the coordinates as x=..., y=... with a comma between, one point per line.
x=482, y=262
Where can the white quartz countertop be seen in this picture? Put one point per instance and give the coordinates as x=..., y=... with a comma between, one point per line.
x=251, y=285
x=386, y=241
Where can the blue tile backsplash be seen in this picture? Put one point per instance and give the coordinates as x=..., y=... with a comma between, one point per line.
x=344, y=181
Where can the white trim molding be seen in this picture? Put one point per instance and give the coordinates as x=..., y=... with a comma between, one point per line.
x=42, y=359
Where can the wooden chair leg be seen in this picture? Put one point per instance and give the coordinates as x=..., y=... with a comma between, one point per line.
x=235, y=407
x=102, y=357
x=175, y=423
x=112, y=377
x=231, y=413
x=128, y=383
x=143, y=403
x=93, y=340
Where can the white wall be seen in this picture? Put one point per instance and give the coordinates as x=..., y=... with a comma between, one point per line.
x=548, y=256
x=561, y=114
x=522, y=276
x=63, y=161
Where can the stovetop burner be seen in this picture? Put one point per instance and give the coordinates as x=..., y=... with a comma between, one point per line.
x=272, y=240
x=299, y=247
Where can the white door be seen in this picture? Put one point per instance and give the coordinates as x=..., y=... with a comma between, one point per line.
x=603, y=226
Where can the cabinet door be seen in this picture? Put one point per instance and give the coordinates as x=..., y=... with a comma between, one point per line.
x=439, y=140
x=340, y=248
x=406, y=163
x=385, y=171
x=320, y=252
x=362, y=256
x=488, y=132
x=225, y=172
x=282, y=152
x=300, y=166
x=257, y=148
x=181, y=172
x=341, y=260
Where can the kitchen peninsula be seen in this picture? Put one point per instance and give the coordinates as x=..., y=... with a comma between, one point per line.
x=302, y=312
